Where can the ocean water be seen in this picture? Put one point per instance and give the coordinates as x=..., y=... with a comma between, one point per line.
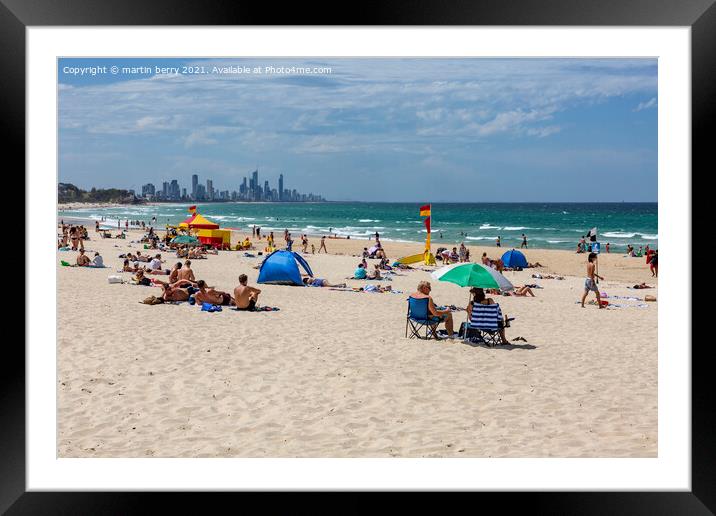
x=547, y=226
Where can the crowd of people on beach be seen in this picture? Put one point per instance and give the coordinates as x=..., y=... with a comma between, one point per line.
x=181, y=284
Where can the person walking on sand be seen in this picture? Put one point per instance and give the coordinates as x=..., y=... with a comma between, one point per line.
x=590, y=283
x=323, y=245
x=497, y=242
x=524, y=241
x=246, y=297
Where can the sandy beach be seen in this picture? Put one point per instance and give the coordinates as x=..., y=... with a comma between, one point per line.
x=331, y=373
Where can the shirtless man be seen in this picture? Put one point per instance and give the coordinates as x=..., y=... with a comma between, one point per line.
x=174, y=274
x=174, y=293
x=83, y=260
x=245, y=297
x=590, y=283
x=211, y=295
x=186, y=273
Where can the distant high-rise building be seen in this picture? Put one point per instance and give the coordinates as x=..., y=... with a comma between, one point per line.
x=280, y=187
x=174, y=190
x=165, y=190
x=148, y=190
x=267, y=191
x=183, y=193
x=200, y=192
x=209, y=189
x=194, y=184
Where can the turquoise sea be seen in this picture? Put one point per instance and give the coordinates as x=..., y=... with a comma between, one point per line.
x=546, y=225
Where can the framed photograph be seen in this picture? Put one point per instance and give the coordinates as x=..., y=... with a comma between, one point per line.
x=479, y=194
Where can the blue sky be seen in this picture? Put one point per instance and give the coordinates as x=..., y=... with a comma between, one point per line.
x=531, y=130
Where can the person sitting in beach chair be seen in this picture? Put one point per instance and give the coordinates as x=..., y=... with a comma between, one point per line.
x=486, y=320
x=422, y=313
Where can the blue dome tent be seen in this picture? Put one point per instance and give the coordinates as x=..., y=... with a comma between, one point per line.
x=281, y=268
x=514, y=259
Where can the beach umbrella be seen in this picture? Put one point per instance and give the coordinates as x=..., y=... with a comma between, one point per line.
x=185, y=239
x=514, y=258
x=472, y=275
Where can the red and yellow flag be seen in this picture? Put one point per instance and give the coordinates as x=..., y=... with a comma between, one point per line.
x=425, y=211
x=192, y=209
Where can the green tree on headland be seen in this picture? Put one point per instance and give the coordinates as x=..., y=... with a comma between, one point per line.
x=67, y=192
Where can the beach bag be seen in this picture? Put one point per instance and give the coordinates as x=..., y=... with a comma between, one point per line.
x=153, y=300
x=649, y=297
x=114, y=279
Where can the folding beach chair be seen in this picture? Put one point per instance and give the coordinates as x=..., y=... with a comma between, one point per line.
x=418, y=319
x=485, y=324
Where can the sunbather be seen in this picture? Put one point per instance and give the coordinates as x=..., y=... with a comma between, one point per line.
x=520, y=291
x=211, y=295
x=375, y=275
x=174, y=274
x=174, y=293
x=141, y=279
x=186, y=272
x=319, y=282
x=82, y=259
x=246, y=297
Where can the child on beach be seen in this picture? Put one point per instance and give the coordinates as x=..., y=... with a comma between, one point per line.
x=590, y=283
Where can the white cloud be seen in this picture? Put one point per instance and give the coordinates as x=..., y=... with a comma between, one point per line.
x=646, y=105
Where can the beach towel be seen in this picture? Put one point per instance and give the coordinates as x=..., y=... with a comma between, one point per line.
x=208, y=307
x=65, y=264
x=114, y=279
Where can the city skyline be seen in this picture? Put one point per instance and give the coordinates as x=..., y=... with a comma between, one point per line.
x=249, y=190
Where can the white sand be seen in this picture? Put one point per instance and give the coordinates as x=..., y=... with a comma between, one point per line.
x=332, y=375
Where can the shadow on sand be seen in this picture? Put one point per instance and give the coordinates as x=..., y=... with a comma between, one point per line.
x=506, y=347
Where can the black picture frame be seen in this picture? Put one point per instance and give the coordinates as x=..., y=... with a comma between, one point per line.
x=700, y=15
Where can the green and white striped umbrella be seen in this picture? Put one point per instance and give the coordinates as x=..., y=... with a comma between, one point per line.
x=472, y=275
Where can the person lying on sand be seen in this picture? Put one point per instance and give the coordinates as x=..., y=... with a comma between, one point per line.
x=642, y=285
x=246, y=297
x=375, y=275
x=82, y=259
x=211, y=295
x=319, y=282
x=520, y=291
x=174, y=293
x=141, y=279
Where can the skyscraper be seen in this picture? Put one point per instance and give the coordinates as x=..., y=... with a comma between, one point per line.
x=280, y=187
x=194, y=183
x=267, y=191
x=210, y=189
